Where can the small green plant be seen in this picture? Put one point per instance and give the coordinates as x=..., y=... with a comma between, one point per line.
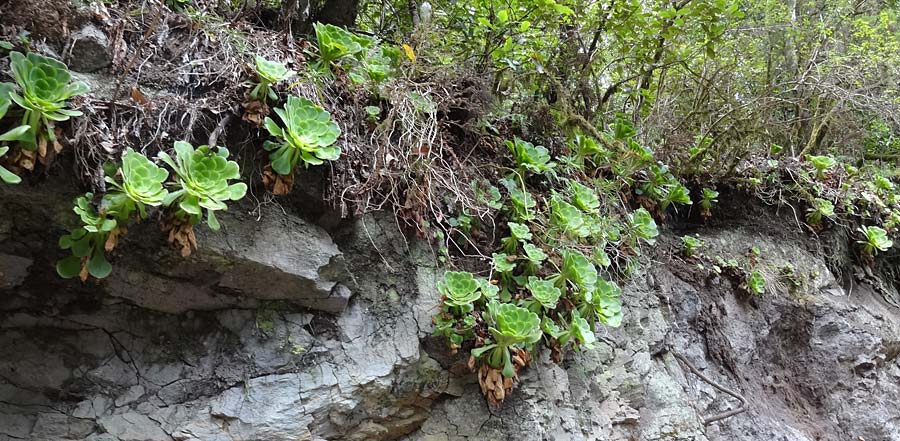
x=820, y=208
x=675, y=194
x=883, y=184
x=517, y=233
x=87, y=243
x=822, y=164
x=536, y=257
x=269, y=74
x=529, y=157
x=570, y=220
x=689, y=245
x=544, y=294
x=577, y=272
x=459, y=289
x=202, y=184
x=335, y=42
x=523, y=204
x=141, y=186
x=375, y=65
x=874, y=240
x=142, y=183
x=372, y=113
x=44, y=88
x=12, y=135
x=708, y=198
x=643, y=226
x=603, y=304
x=307, y=136
x=203, y=176
x=584, y=197
x=789, y=274
x=756, y=284
x=579, y=332
x=512, y=327
x=178, y=5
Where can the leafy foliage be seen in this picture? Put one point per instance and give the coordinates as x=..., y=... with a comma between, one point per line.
x=307, y=136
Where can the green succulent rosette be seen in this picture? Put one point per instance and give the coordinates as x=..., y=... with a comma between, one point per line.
x=307, y=136
x=269, y=73
x=142, y=181
x=459, y=288
x=44, y=86
x=203, y=176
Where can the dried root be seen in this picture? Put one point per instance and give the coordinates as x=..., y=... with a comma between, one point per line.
x=255, y=112
x=279, y=185
x=180, y=233
x=494, y=385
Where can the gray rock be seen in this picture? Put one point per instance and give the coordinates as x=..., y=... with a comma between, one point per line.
x=90, y=50
x=279, y=330
x=13, y=270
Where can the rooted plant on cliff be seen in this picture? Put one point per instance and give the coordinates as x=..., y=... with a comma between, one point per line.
x=88, y=243
x=44, y=86
x=203, y=183
x=103, y=226
x=269, y=74
x=307, y=137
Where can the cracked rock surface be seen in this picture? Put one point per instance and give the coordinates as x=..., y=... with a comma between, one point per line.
x=281, y=330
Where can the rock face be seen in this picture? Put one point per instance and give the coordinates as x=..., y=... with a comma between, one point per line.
x=280, y=330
